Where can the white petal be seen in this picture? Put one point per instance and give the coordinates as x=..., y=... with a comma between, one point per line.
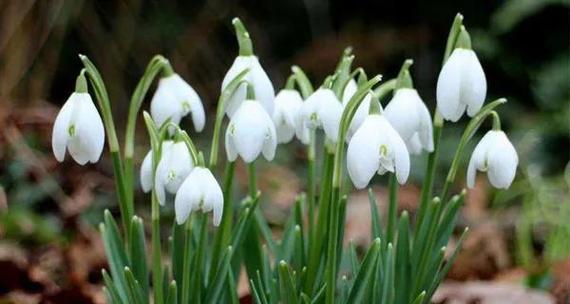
x=61, y=126
x=146, y=172
x=287, y=105
x=164, y=104
x=349, y=90
x=449, y=87
x=414, y=145
x=262, y=85
x=402, y=112
x=231, y=151
x=89, y=139
x=190, y=101
x=478, y=161
x=270, y=143
x=473, y=83
x=402, y=157
x=252, y=126
x=188, y=196
x=213, y=196
x=179, y=164
x=502, y=161
x=426, y=129
x=362, y=155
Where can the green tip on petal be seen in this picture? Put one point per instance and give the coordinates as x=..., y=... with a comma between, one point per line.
x=81, y=83
x=244, y=41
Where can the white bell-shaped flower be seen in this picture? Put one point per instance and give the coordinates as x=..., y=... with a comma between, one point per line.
x=146, y=177
x=461, y=85
x=174, y=166
x=79, y=129
x=256, y=77
x=199, y=191
x=287, y=106
x=376, y=147
x=408, y=114
x=321, y=110
x=361, y=112
x=251, y=132
x=175, y=98
x=495, y=155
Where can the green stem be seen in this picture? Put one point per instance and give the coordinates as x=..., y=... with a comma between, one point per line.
x=153, y=68
x=311, y=189
x=430, y=169
x=452, y=37
x=186, y=270
x=156, y=251
x=315, y=249
x=252, y=178
x=331, y=266
x=290, y=85
x=392, y=210
x=104, y=103
x=470, y=130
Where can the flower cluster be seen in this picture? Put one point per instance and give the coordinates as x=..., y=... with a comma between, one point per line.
x=346, y=107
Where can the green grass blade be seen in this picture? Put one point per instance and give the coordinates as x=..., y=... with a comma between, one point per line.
x=362, y=279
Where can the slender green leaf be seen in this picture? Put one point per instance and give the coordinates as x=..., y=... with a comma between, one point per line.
x=364, y=274
x=172, y=297
x=374, y=215
x=286, y=283
x=137, y=247
x=215, y=287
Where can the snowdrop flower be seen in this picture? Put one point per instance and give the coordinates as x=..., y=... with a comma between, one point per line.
x=78, y=127
x=174, y=166
x=200, y=190
x=287, y=105
x=408, y=114
x=251, y=132
x=376, y=147
x=495, y=155
x=175, y=98
x=321, y=110
x=361, y=112
x=461, y=84
x=146, y=177
x=262, y=86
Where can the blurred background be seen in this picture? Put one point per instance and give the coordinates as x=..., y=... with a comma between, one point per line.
x=50, y=251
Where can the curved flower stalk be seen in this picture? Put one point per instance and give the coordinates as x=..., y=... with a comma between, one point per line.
x=174, y=166
x=321, y=110
x=288, y=102
x=175, y=98
x=408, y=114
x=78, y=127
x=376, y=147
x=257, y=77
x=461, y=84
x=495, y=155
x=199, y=191
x=251, y=132
x=146, y=175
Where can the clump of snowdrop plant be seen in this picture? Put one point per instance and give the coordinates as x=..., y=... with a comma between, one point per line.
x=368, y=124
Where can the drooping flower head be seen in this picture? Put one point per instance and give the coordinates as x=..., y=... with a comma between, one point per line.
x=146, y=174
x=199, y=191
x=78, y=127
x=175, y=98
x=174, y=166
x=321, y=110
x=461, y=84
x=376, y=148
x=408, y=114
x=495, y=155
x=288, y=102
x=256, y=77
x=251, y=132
